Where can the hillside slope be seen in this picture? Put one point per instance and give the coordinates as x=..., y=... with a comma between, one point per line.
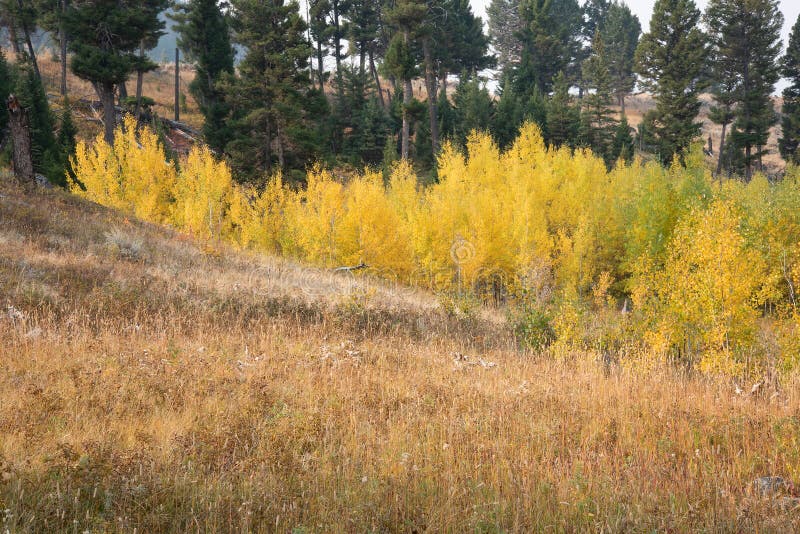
x=154, y=384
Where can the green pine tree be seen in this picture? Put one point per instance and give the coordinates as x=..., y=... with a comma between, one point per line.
x=509, y=115
x=598, y=124
x=670, y=60
x=473, y=108
x=271, y=95
x=790, y=139
x=563, y=117
x=45, y=150
x=551, y=43
x=105, y=36
x=624, y=145
x=745, y=39
x=205, y=40
x=620, y=31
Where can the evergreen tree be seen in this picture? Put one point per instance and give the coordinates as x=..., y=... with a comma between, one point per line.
x=447, y=117
x=551, y=40
x=364, y=26
x=320, y=30
x=598, y=123
x=620, y=31
x=22, y=16
x=460, y=44
x=745, y=39
x=452, y=40
x=401, y=60
x=505, y=25
x=338, y=31
x=563, y=118
x=50, y=17
x=473, y=108
x=724, y=92
x=509, y=115
x=790, y=140
x=45, y=150
x=205, y=40
x=369, y=125
x=271, y=96
x=670, y=61
x=624, y=146
x=595, y=13
x=104, y=36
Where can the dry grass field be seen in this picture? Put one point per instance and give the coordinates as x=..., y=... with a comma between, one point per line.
x=158, y=85
x=153, y=384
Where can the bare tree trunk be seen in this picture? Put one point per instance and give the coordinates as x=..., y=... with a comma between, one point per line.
x=406, y=126
x=106, y=93
x=137, y=112
x=337, y=49
x=320, y=67
x=748, y=171
x=64, y=39
x=430, y=82
x=123, y=93
x=268, y=148
x=377, y=78
x=279, y=141
x=721, y=149
x=177, y=85
x=21, y=140
x=26, y=32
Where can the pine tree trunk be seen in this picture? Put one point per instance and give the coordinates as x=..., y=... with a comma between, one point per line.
x=320, y=67
x=268, y=147
x=64, y=38
x=26, y=32
x=137, y=112
x=406, y=126
x=21, y=142
x=123, y=93
x=377, y=78
x=721, y=149
x=106, y=93
x=430, y=82
x=748, y=172
x=337, y=50
x=279, y=143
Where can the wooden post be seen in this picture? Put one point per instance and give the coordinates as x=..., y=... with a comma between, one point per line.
x=177, y=85
x=21, y=140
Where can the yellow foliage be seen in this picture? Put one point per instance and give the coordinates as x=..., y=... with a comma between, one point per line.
x=698, y=262
x=203, y=195
x=133, y=176
x=709, y=286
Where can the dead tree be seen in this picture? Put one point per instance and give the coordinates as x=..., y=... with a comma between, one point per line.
x=20, y=141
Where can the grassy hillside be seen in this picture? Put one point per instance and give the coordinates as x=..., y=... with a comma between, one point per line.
x=153, y=384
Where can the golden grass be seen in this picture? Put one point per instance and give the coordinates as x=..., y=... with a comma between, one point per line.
x=158, y=85
x=152, y=384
